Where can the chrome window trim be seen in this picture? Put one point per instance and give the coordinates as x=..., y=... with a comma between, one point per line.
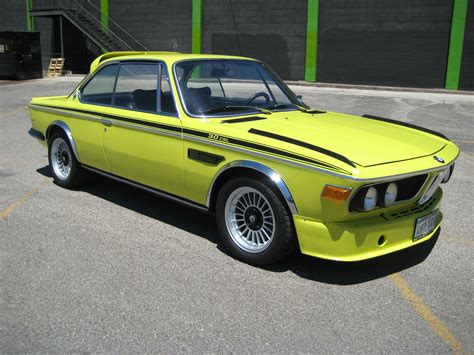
x=90, y=76
x=180, y=94
x=270, y=173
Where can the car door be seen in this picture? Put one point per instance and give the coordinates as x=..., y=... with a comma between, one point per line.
x=87, y=107
x=142, y=133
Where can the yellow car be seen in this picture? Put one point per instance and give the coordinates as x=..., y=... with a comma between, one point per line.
x=225, y=135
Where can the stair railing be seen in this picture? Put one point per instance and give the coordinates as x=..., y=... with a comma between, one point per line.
x=80, y=10
x=114, y=27
x=87, y=9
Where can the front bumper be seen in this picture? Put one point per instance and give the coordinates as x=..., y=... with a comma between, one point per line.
x=361, y=239
x=36, y=134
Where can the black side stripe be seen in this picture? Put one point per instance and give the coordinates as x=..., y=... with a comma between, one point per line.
x=72, y=109
x=405, y=124
x=303, y=144
x=206, y=135
x=145, y=123
x=245, y=119
x=266, y=149
x=120, y=118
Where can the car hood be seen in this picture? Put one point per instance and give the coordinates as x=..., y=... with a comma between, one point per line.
x=365, y=142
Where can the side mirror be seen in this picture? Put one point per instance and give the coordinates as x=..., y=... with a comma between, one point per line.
x=77, y=94
x=300, y=99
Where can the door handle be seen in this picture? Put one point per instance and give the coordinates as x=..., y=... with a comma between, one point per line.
x=106, y=123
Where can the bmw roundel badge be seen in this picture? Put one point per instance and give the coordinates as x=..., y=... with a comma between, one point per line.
x=438, y=159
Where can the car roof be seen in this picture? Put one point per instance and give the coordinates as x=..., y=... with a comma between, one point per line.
x=168, y=57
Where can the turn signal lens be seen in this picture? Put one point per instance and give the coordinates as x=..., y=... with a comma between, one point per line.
x=336, y=193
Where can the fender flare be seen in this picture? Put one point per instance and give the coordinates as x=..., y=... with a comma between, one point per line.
x=265, y=170
x=63, y=126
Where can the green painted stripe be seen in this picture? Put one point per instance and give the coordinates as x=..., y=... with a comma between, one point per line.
x=104, y=14
x=196, y=26
x=458, y=25
x=30, y=21
x=311, y=40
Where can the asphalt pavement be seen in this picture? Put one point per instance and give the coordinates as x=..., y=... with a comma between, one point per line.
x=108, y=268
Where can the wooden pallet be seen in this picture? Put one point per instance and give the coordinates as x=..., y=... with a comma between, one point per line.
x=56, y=66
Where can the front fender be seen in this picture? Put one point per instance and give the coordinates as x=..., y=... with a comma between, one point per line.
x=261, y=168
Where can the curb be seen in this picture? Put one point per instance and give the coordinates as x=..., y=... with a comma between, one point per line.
x=377, y=88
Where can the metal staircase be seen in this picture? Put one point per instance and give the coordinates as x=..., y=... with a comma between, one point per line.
x=87, y=18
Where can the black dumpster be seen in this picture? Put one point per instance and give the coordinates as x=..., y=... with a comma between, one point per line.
x=20, y=55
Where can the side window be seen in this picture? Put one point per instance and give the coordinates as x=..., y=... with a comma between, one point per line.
x=167, y=102
x=137, y=86
x=100, y=88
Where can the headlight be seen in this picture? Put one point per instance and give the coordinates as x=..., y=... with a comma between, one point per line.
x=390, y=194
x=370, y=199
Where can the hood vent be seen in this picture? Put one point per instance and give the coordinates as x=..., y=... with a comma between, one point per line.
x=244, y=119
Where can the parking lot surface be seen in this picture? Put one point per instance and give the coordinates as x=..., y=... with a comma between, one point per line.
x=109, y=268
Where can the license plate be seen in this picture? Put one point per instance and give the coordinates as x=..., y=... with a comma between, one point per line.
x=425, y=225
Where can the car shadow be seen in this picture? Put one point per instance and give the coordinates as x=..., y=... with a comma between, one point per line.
x=203, y=225
x=350, y=273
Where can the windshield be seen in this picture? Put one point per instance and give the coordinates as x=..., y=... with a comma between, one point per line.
x=231, y=87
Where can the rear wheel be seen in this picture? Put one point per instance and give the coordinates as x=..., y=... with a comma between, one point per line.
x=254, y=222
x=64, y=166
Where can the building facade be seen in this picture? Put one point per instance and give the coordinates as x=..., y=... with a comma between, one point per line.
x=408, y=43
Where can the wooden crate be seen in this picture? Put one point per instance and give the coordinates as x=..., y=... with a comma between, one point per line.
x=56, y=66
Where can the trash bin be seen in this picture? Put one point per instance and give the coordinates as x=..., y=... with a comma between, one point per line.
x=20, y=55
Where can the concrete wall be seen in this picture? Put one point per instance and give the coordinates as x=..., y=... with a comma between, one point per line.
x=272, y=31
x=12, y=15
x=390, y=42
x=163, y=25
x=381, y=42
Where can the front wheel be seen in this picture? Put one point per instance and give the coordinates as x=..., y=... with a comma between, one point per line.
x=64, y=166
x=254, y=222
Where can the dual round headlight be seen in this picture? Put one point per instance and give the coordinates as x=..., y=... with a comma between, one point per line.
x=370, y=199
x=382, y=195
x=390, y=194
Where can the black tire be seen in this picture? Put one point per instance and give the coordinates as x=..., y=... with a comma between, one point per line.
x=283, y=242
x=75, y=176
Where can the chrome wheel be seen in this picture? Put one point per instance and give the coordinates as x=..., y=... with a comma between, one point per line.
x=61, y=159
x=249, y=219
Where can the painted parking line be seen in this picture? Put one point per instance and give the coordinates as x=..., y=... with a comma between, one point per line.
x=463, y=141
x=19, y=201
x=464, y=242
x=14, y=111
x=427, y=315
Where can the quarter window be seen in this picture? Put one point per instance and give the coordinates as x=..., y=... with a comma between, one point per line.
x=137, y=87
x=100, y=88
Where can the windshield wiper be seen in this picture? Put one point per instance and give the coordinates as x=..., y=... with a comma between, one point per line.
x=298, y=107
x=236, y=108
